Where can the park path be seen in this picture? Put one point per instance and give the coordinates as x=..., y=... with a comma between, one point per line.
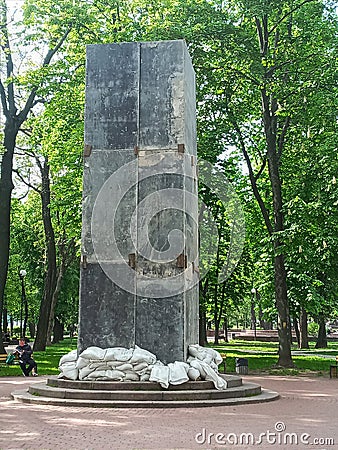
x=308, y=409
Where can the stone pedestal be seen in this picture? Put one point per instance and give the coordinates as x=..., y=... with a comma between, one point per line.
x=139, y=269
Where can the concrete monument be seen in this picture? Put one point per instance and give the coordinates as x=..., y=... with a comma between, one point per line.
x=139, y=268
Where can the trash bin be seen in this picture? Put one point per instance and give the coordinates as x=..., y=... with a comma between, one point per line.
x=242, y=366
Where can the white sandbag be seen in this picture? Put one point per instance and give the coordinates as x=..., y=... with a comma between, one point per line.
x=67, y=365
x=207, y=359
x=114, y=375
x=93, y=353
x=211, y=375
x=205, y=354
x=99, y=365
x=131, y=376
x=214, y=366
x=81, y=362
x=118, y=354
x=217, y=358
x=84, y=372
x=117, y=375
x=140, y=366
x=71, y=374
x=196, y=364
x=141, y=355
x=160, y=374
x=194, y=350
x=145, y=377
x=199, y=352
x=69, y=371
x=99, y=375
x=147, y=369
x=178, y=372
x=69, y=357
x=114, y=364
x=124, y=367
x=193, y=374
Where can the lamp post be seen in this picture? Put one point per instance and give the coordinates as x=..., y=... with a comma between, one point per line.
x=253, y=314
x=22, y=275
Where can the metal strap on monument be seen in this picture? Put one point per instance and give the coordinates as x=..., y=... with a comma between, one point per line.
x=182, y=261
x=132, y=260
x=87, y=150
x=181, y=148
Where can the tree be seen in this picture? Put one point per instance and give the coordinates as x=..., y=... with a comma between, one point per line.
x=15, y=116
x=54, y=145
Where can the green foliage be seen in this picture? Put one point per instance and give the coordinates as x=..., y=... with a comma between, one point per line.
x=313, y=329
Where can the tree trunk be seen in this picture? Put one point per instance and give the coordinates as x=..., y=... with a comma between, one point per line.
x=31, y=327
x=6, y=187
x=55, y=297
x=11, y=325
x=216, y=338
x=25, y=303
x=216, y=307
x=284, y=352
x=5, y=321
x=274, y=136
x=50, y=277
x=202, y=328
x=269, y=108
x=304, y=339
x=219, y=306
x=203, y=340
x=226, y=336
x=281, y=297
x=253, y=317
x=296, y=327
x=58, y=330
x=321, y=338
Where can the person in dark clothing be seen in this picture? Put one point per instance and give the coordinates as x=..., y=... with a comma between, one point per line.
x=25, y=352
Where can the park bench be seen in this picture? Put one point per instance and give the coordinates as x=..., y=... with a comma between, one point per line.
x=3, y=357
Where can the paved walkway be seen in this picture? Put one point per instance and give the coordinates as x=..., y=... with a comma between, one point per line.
x=308, y=409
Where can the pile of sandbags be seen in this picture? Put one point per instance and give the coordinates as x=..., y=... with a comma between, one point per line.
x=137, y=364
x=67, y=366
x=204, y=364
x=117, y=364
x=174, y=373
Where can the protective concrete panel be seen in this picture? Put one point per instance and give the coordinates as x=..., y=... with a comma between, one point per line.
x=112, y=95
x=107, y=313
x=160, y=325
x=139, y=231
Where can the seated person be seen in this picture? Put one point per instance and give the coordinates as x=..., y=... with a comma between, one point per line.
x=25, y=352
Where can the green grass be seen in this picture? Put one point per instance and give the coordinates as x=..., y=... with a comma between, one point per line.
x=262, y=358
x=47, y=361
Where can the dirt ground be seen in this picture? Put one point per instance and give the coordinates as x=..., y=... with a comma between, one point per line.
x=305, y=417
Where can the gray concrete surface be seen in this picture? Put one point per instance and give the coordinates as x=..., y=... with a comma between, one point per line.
x=139, y=179
x=308, y=409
